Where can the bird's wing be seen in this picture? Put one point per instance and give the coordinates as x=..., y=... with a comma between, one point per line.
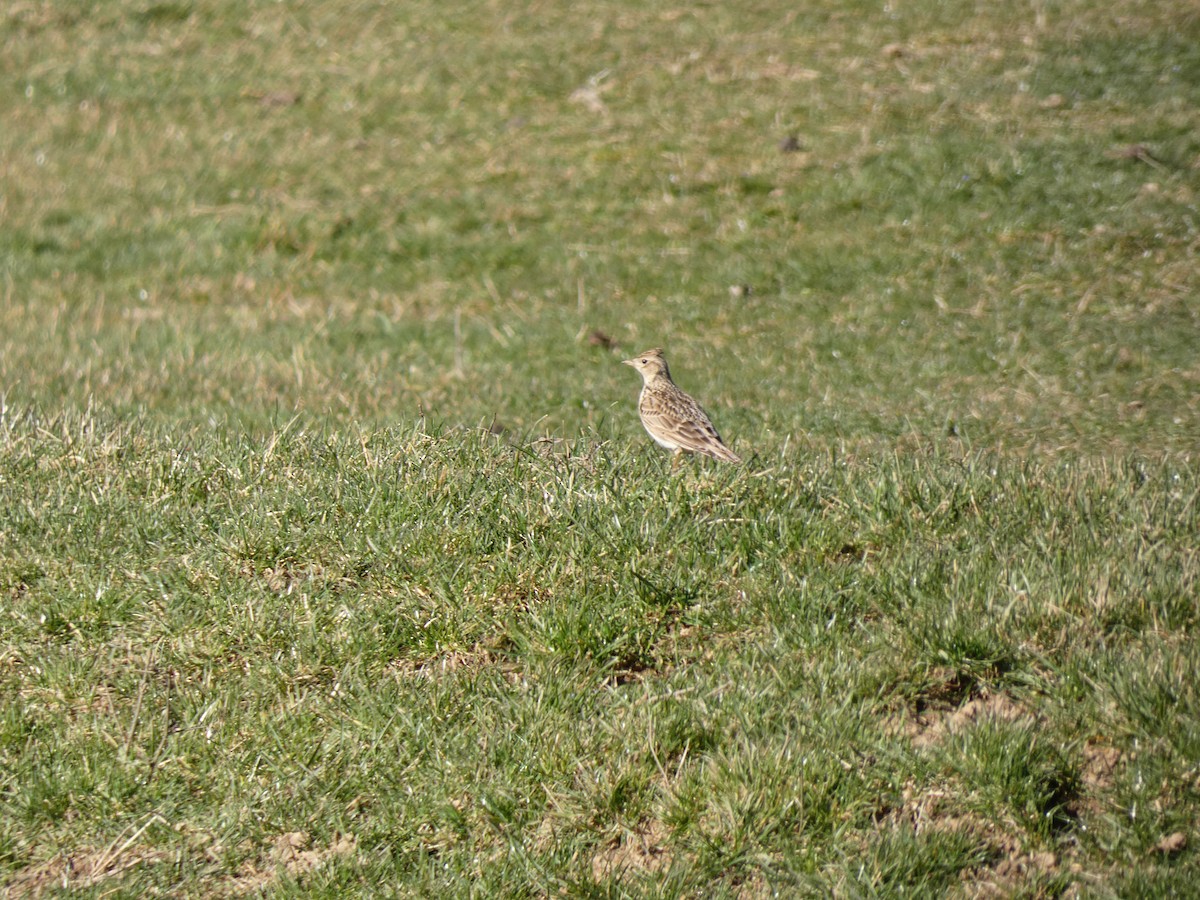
x=689, y=426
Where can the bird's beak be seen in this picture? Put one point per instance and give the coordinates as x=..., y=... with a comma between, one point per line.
x=628, y=362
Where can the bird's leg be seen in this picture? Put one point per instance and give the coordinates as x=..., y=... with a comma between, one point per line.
x=675, y=459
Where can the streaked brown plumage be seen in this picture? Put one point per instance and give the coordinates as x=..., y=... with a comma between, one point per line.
x=674, y=419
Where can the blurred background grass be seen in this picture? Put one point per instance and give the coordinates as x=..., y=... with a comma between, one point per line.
x=849, y=222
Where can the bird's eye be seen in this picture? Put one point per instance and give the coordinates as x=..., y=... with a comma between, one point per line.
x=645, y=360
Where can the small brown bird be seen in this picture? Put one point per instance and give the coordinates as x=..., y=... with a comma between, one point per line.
x=672, y=418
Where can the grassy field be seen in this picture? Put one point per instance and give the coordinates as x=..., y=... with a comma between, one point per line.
x=334, y=561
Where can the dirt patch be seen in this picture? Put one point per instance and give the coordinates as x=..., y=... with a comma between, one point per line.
x=642, y=850
x=1100, y=764
x=448, y=663
x=292, y=853
x=935, y=809
x=755, y=887
x=285, y=578
x=1172, y=844
x=1012, y=876
x=81, y=869
x=1011, y=866
x=947, y=688
x=929, y=727
x=477, y=658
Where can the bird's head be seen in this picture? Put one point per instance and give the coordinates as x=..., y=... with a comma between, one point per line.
x=650, y=364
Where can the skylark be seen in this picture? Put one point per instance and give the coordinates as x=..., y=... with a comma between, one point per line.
x=672, y=418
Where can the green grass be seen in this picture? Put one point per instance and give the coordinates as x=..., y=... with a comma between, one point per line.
x=334, y=561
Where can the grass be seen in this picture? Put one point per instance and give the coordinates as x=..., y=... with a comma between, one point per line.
x=334, y=561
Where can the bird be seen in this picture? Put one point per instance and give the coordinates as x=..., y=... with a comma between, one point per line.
x=674, y=419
